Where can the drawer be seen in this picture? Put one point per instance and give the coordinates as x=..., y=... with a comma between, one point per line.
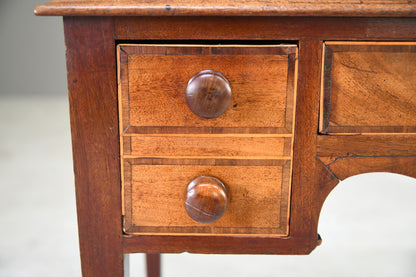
x=165, y=144
x=257, y=192
x=154, y=78
x=369, y=87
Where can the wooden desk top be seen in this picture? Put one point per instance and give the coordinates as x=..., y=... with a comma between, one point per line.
x=346, y=8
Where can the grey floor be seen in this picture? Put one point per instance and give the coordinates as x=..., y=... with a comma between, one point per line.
x=368, y=223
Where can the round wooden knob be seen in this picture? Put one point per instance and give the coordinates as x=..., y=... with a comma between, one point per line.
x=206, y=199
x=208, y=94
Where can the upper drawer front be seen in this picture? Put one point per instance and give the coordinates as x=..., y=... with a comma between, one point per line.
x=369, y=88
x=154, y=80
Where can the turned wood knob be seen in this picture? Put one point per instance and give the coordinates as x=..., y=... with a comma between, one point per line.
x=208, y=94
x=206, y=199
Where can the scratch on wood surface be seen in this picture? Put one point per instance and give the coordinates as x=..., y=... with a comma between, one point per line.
x=359, y=69
x=327, y=167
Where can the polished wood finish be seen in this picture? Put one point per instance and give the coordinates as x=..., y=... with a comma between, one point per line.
x=257, y=29
x=208, y=94
x=385, y=8
x=210, y=244
x=92, y=87
x=369, y=87
x=366, y=145
x=304, y=176
x=206, y=199
x=258, y=192
x=165, y=145
x=274, y=197
x=245, y=146
x=150, y=81
x=344, y=167
x=153, y=264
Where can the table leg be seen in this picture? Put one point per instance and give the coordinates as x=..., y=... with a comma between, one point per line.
x=153, y=264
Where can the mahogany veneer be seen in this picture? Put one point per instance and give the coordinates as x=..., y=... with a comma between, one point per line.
x=320, y=91
x=248, y=144
x=369, y=87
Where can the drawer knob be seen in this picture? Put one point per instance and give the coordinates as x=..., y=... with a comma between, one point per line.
x=208, y=94
x=206, y=199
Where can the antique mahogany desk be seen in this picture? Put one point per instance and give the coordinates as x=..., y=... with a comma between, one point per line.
x=221, y=126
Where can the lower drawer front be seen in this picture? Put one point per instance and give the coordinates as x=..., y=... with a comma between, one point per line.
x=257, y=191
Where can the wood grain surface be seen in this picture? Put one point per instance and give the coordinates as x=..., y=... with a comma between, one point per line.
x=206, y=199
x=92, y=87
x=382, y=8
x=153, y=264
x=260, y=118
x=345, y=167
x=269, y=29
x=369, y=87
x=258, y=197
x=257, y=220
x=208, y=146
x=153, y=81
x=213, y=244
x=208, y=94
x=305, y=182
x=366, y=145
